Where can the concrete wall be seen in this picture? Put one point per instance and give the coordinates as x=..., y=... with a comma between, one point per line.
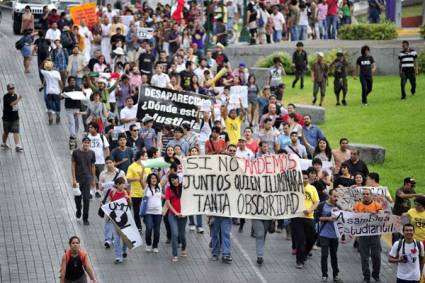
x=386, y=57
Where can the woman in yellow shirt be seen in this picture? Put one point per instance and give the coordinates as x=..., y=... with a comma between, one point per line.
x=136, y=175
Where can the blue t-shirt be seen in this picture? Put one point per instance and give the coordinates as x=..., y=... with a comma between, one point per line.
x=328, y=230
x=283, y=141
x=149, y=136
x=117, y=155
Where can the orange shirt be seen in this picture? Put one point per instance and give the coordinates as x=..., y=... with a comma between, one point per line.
x=373, y=207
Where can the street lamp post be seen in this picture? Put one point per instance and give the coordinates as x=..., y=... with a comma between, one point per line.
x=244, y=37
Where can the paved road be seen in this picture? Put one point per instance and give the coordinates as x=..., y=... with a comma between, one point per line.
x=37, y=215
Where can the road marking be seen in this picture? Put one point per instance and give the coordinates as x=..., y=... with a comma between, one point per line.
x=246, y=256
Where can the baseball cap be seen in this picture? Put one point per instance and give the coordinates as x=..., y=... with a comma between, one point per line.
x=242, y=139
x=85, y=139
x=409, y=180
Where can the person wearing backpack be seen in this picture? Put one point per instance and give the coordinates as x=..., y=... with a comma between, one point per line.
x=328, y=238
x=75, y=264
x=408, y=254
x=24, y=44
x=68, y=39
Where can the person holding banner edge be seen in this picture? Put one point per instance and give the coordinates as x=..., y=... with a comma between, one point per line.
x=327, y=236
x=118, y=192
x=369, y=246
x=303, y=227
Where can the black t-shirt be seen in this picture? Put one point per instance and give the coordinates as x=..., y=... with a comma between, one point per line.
x=91, y=63
x=401, y=205
x=10, y=113
x=146, y=61
x=186, y=79
x=345, y=182
x=115, y=38
x=253, y=12
x=83, y=162
x=135, y=145
x=365, y=63
x=42, y=48
x=71, y=103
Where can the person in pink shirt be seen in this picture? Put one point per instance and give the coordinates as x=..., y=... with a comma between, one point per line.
x=322, y=12
x=332, y=18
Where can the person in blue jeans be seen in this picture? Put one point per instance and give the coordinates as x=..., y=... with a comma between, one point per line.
x=260, y=229
x=327, y=236
x=153, y=216
x=195, y=151
x=177, y=222
x=220, y=238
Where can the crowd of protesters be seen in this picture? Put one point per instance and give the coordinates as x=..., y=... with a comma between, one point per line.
x=108, y=163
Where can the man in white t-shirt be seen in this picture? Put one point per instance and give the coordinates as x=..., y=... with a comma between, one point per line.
x=100, y=146
x=53, y=88
x=53, y=33
x=159, y=79
x=408, y=254
x=278, y=24
x=128, y=114
x=242, y=151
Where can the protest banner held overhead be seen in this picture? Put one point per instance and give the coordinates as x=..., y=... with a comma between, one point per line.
x=122, y=217
x=269, y=187
x=169, y=107
x=86, y=12
x=350, y=195
x=350, y=224
x=145, y=33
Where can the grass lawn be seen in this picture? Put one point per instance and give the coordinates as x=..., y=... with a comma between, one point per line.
x=397, y=125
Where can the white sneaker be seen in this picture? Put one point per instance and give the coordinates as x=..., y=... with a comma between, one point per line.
x=19, y=148
x=192, y=227
x=155, y=250
x=4, y=146
x=200, y=230
x=148, y=249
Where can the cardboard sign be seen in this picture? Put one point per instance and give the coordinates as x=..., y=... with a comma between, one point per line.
x=86, y=12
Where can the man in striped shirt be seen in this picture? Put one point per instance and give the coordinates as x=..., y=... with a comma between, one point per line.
x=408, y=68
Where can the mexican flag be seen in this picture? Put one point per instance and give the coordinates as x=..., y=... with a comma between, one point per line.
x=177, y=10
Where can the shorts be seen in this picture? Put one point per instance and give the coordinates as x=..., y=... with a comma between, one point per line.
x=252, y=99
x=11, y=126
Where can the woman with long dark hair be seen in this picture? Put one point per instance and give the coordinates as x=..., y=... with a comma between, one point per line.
x=75, y=264
x=153, y=216
x=177, y=222
x=323, y=151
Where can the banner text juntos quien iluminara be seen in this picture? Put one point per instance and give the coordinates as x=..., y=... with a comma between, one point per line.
x=269, y=187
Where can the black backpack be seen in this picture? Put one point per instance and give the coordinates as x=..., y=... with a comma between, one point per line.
x=20, y=43
x=67, y=40
x=401, y=244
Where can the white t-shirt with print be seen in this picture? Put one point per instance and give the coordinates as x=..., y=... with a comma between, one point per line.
x=408, y=271
x=98, y=144
x=154, y=200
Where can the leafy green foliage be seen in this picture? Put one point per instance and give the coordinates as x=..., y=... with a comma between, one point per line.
x=422, y=31
x=383, y=31
x=421, y=61
x=285, y=58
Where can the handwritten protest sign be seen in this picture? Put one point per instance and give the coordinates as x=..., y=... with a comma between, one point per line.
x=86, y=12
x=145, y=33
x=121, y=216
x=350, y=224
x=170, y=107
x=270, y=187
x=348, y=196
x=236, y=93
